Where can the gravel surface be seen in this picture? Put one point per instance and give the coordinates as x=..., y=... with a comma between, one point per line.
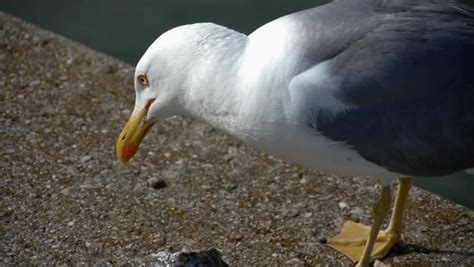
x=65, y=199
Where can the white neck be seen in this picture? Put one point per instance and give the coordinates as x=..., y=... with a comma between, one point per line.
x=233, y=77
x=212, y=88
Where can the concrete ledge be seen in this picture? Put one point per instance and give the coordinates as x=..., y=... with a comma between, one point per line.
x=64, y=199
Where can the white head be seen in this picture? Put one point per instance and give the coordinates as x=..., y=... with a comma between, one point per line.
x=162, y=71
x=163, y=75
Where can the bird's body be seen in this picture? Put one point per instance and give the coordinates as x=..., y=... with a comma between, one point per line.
x=354, y=87
x=265, y=112
x=344, y=97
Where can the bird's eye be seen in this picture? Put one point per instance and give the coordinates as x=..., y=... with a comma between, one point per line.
x=142, y=79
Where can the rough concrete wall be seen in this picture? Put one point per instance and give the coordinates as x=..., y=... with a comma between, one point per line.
x=64, y=198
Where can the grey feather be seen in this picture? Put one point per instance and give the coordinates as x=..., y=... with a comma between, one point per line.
x=406, y=73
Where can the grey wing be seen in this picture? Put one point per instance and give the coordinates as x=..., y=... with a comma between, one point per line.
x=409, y=88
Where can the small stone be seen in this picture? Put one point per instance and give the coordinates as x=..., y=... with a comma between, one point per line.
x=378, y=263
x=71, y=223
x=8, y=212
x=236, y=237
x=34, y=83
x=230, y=187
x=304, y=180
x=159, y=240
x=156, y=183
x=291, y=213
x=357, y=211
x=206, y=187
x=275, y=255
x=307, y=215
x=69, y=61
x=86, y=158
x=231, y=154
x=294, y=261
x=110, y=69
x=343, y=205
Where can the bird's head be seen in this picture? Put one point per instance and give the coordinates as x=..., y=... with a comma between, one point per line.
x=170, y=73
x=159, y=77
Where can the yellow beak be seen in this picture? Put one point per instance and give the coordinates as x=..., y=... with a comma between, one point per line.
x=132, y=135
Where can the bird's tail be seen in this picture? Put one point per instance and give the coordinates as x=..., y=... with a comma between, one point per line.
x=470, y=171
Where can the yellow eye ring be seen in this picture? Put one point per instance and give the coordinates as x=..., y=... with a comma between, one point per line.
x=142, y=79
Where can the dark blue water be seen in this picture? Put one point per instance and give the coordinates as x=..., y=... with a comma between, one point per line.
x=125, y=28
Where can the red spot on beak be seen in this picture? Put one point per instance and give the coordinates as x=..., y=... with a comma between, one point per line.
x=133, y=133
x=129, y=151
x=148, y=104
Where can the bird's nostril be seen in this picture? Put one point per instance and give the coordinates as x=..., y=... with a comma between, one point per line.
x=123, y=137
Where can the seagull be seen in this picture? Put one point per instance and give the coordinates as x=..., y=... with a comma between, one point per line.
x=354, y=87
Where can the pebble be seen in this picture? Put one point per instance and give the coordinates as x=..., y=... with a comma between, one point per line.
x=291, y=213
x=231, y=154
x=378, y=263
x=206, y=187
x=304, y=180
x=343, y=205
x=236, y=237
x=86, y=158
x=110, y=69
x=159, y=240
x=156, y=183
x=357, y=211
x=8, y=212
x=34, y=83
x=294, y=261
x=69, y=61
x=230, y=187
x=65, y=191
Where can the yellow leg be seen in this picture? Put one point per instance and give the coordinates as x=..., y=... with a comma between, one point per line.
x=380, y=212
x=365, y=244
x=395, y=227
